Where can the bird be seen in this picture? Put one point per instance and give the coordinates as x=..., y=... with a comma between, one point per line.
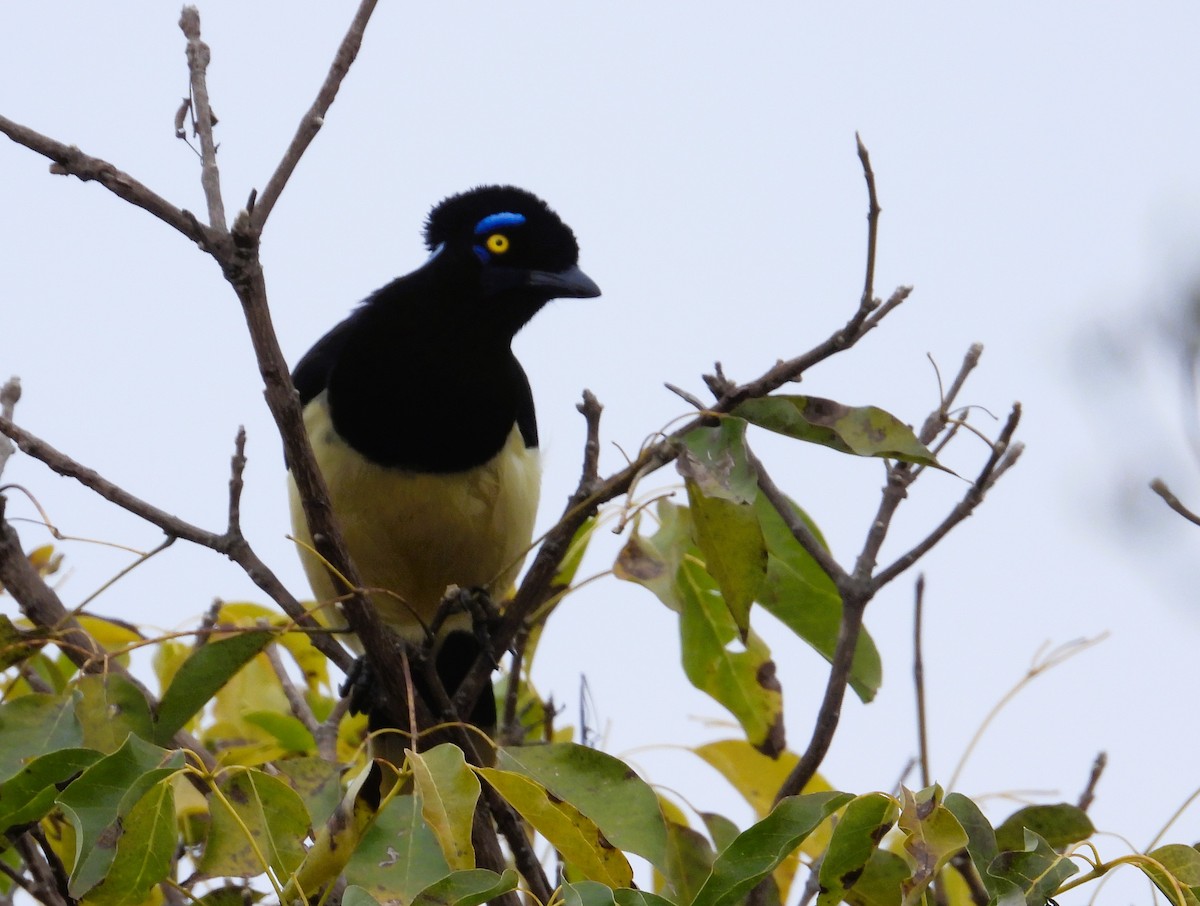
x=423, y=425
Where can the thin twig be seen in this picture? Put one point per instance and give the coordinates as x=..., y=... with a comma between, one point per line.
x=70, y=161
x=1004, y=455
x=510, y=730
x=1039, y=666
x=237, y=468
x=295, y=698
x=873, y=212
x=314, y=119
x=1089, y=792
x=198, y=56
x=49, y=884
x=919, y=681
x=1159, y=487
x=799, y=529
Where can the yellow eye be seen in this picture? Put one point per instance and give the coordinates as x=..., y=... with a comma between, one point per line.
x=497, y=243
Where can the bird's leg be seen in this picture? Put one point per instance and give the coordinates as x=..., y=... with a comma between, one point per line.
x=359, y=685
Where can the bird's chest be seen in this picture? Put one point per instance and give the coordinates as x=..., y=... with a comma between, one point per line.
x=411, y=534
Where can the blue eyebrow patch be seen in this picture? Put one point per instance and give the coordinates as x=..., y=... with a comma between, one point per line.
x=496, y=221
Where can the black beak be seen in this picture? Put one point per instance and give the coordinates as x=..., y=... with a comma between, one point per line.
x=569, y=284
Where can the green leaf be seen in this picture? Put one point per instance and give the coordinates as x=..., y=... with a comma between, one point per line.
x=653, y=561
x=856, y=836
x=358, y=896
x=981, y=840
x=467, y=888
x=592, y=893
x=689, y=862
x=1037, y=871
x=317, y=781
x=109, y=708
x=603, y=788
x=33, y=725
x=717, y=462
x=859, y=430
x=743, y=681
x=29, y=795
x=1059, y=825
x=731, y=541
x=932, y=836
x=145, y=846
x=207, y=669
x=258, y=821
x=804, y=599
x=288, y=731
x=399, y=856
x=1175, y=871
x=881, y=881
x=720, y=829
x=15, y=645
x=722, y=487
x=448, y=791
x=101, y=798
x=758, y=849
x=573, y=834
x=569, y=565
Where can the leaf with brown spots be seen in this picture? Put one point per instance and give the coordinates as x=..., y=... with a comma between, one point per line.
x=858, y=430
x=860, y=829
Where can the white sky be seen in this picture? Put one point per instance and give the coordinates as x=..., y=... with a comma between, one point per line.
x=1037, y=169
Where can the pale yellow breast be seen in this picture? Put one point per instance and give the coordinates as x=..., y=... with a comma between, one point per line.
x=414, y=534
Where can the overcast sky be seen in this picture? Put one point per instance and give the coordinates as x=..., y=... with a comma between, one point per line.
x=1037, y=169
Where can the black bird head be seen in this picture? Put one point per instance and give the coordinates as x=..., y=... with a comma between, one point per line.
x=515, y=246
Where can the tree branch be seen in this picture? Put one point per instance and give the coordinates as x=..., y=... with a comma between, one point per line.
x=70, y=161
x=314, y=119
x=198, y=56
x=1159, y=487
x=1004, y=455
x=919, y=681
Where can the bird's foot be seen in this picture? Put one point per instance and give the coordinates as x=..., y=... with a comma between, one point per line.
x=484, y=615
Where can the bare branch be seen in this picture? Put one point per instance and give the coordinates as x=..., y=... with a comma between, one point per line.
x=70, y=161
x=919, y=681
x=1159, y=487
x=237, y=468
x=295, y=698
x=800, y=531
x=873, y=212
x=830, y=711
x=314, y=119
x=198, y=56
x=1089, y=792
x=1004, y=455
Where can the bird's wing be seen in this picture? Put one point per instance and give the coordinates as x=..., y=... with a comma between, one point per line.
x=311, y=374
x=526, y=416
